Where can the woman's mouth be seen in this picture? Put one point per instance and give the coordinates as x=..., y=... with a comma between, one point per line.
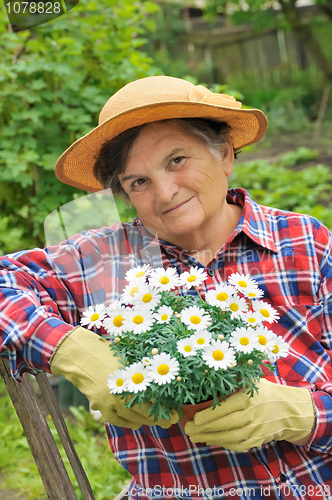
x=179, y=205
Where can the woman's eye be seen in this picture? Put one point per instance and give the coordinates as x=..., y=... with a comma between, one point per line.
x=177, y=160
x=138, y=183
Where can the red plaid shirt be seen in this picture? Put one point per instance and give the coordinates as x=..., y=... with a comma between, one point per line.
x=290, y=257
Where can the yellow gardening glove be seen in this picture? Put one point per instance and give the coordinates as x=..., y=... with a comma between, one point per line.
x=86, y=361
x=241, y=422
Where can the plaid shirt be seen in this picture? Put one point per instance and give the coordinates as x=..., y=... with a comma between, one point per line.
x=45, y=291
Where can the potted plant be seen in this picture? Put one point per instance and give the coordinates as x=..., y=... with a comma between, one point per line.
x=187, y=349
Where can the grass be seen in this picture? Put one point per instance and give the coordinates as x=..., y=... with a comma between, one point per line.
x=19, y=472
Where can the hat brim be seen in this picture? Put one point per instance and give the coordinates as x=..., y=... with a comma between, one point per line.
x=75, y=165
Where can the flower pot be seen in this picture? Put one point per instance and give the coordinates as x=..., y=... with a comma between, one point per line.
x=189, y=411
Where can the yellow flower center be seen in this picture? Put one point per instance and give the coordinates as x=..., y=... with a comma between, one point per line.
x=192, y=278
x=133, y=291
x=164, y=280
x=265, y=313
x=252, y=294
x=187, y=348
x=234, y=307
x=244, y=341
x=251, y=320
x=201, y=341
x=138, y=319
x=195, y=320
x=139, y=274
x=137, y=378
x=242, y=283
x=118, y=321
x=276, y=349
x=94, y=317
x=218, y=355
x=222, y=296
x=147, y=297
x=164, y=317
x=262, y=340
x=119, y=382
x=163, y=369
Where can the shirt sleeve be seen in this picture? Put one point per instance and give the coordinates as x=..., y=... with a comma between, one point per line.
x=43, y=292
x=38, y=304
x=322, y=395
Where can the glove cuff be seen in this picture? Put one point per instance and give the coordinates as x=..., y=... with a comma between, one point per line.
x=59, y=344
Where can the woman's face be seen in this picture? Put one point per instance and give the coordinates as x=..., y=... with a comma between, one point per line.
x=175, y=183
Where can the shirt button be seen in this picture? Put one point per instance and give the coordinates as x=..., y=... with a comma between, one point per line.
x=283, y=478
x=210, y=272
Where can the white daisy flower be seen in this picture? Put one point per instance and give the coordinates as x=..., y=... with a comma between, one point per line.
x=252, y=318
x=280, y=349
x=237, y=305
x=116, y=382
x=244, y=339
x=114, y=305
x=220, y=296
x=164, y=279
x=93, y=316
x=219, y=354
x=194, y=277
x=114, y=324
x=253, y=292
x=147, y=297
x=138, y=321
x=163, y=369
x=241, y=281
x=266, y=338
x=266, y=310
x=136, y=377
x=195, y=317
x=138, y=274
x=201, y=339
x=146, y=361
x=163, y=315
x=129, y=293
x=186, y=347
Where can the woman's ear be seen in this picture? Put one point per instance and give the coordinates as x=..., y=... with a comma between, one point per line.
x=227, y=158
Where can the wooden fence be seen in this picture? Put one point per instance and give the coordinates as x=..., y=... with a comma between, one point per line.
x=219, y=53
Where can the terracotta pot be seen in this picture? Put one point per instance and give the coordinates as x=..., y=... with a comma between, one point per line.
x=189, y=411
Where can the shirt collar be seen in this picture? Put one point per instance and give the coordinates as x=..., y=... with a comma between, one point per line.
x=253, y=221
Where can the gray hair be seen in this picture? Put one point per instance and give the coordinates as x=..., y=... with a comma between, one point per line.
x=113, y=155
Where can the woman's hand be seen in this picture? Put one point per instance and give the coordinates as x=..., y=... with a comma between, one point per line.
x=86, y=361
x=276, y=412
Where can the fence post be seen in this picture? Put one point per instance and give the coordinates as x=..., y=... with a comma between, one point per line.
x=43, y=447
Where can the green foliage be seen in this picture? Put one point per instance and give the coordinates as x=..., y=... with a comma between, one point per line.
x=163, y=44
x=291, y=100
x=283, y=184
x=53, y=82
x=18, y=468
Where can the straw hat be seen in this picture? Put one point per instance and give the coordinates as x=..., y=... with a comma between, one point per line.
x=151, y=99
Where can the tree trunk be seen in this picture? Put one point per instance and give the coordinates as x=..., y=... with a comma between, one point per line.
x=304, y=33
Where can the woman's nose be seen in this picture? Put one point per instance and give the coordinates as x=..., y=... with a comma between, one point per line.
x=165, y=188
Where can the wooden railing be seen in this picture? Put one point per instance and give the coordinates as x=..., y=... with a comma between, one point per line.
x=51, y=468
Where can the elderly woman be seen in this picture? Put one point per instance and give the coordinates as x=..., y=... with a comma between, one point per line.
x=168, y=146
